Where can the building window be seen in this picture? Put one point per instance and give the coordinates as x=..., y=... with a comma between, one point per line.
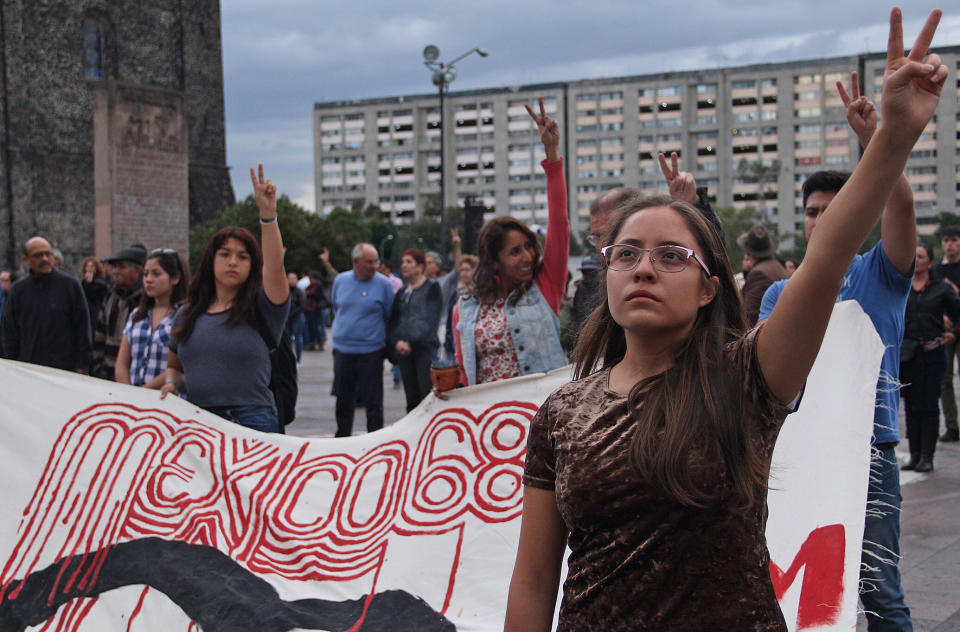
x=92, y=49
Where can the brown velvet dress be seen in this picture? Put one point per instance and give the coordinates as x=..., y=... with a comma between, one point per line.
x=639, y=562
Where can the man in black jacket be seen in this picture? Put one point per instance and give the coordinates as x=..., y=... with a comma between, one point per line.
x=123, y=297
x=45, y=319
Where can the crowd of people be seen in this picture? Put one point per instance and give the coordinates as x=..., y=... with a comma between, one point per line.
x=684, y=373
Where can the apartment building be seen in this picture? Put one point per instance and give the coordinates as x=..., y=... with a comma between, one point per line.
x=751, y=134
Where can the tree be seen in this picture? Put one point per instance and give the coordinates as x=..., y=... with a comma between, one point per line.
x=735, y=223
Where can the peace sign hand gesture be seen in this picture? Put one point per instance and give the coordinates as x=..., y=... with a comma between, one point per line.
x=264, y=193
x=549, y=131
x=911, y=84
x=682, y=184
x=861, y=113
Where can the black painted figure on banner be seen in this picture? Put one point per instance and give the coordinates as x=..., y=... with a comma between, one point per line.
x=645, y=465
x=237, y=293
x=194, y=577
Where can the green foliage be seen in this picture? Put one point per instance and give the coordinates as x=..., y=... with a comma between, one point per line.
x=306, y=234
x=735, y=223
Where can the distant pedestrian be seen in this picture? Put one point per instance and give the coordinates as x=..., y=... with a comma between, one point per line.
x=93, y=280
x=362, y=300
x=413, y=326
x=761, y=267
x=125, y=267
x=923, y=359
x=949, y=270
x=45, y=319
x=296, y=320
x=142, y=359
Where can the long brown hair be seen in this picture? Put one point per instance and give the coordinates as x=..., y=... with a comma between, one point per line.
x=694, y=403
x=174, y=265
x=203, y=287
x=490, y=242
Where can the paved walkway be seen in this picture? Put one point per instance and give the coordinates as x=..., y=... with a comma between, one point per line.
x=930, y=522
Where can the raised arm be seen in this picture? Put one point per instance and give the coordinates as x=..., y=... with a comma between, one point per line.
x=274, y=276
x=789, y=342
x=457, y=245
x=552, y=279
x=898, y=225
x=325, y=258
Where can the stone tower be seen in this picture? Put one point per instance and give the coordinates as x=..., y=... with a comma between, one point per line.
x=111, y=123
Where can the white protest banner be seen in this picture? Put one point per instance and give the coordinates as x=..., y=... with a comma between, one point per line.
x=123, y=512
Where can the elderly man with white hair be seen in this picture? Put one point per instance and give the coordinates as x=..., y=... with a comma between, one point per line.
x=362, y=300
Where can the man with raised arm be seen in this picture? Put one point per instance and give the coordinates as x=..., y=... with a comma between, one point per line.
x=880, y=282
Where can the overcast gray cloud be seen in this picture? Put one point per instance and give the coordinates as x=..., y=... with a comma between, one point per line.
x=282, y=57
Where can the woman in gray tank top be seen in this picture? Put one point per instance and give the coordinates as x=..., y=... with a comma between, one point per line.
x=217, y=354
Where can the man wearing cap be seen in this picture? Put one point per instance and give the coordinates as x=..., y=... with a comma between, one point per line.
x=45, y=319
x=123, y=297
x=760, y=267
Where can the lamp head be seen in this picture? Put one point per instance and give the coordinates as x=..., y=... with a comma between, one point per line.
x=482, y=52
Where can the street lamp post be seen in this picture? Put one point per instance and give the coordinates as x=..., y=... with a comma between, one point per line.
x=443, y=74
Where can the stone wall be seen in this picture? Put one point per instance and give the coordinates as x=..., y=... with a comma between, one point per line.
x=47, y=160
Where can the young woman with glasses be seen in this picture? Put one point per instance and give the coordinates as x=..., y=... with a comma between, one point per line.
x=508, y=326
x=217, y=352
x=142, y=359
x=654, y=467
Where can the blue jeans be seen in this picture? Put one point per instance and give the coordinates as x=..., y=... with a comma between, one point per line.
x=880, y=588
x=262, y=418
x=296, y=330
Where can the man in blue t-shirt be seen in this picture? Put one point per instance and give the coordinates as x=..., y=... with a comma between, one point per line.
x=880, y=282
x=362, y=300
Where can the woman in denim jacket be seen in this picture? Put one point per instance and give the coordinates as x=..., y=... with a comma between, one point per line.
x=508, y=326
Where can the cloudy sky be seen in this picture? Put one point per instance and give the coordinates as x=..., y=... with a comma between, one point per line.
x=283, y=56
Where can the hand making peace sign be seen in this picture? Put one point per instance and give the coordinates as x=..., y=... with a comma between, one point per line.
x=264, y=193
x=682, y=184
x=912, y=84
x=549, y=131
x=861, y=113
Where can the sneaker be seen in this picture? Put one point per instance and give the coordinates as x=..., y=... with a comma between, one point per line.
x=950, y=436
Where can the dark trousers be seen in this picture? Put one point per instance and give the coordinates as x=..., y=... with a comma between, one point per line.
x=415, y=372
x=922, y=378
x=948, y=399
x=358, y=373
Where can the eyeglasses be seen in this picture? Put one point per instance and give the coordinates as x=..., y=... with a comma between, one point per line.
x=624, y=257
x=163, y=251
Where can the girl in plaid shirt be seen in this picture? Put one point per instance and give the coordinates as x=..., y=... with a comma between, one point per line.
x=146, y=337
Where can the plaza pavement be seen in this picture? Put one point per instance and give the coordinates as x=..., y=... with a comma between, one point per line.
x=930, y=521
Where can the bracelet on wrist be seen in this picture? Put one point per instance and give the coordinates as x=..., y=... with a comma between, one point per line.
x=272, y=220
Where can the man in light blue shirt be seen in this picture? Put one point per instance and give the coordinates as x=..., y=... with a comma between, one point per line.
x=880, y=282
x=362, y=300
